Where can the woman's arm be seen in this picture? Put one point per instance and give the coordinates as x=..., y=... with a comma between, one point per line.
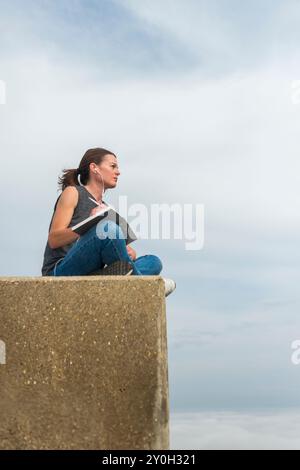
x=59, y=234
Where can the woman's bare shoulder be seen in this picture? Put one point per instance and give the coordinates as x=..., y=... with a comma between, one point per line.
x=69, y=196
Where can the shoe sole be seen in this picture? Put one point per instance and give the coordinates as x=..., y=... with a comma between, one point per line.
x=118, y=268
x=170, y=292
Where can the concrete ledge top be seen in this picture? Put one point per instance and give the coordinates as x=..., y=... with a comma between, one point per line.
x=81, y=278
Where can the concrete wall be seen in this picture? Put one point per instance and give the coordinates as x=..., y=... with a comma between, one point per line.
x=85, y=363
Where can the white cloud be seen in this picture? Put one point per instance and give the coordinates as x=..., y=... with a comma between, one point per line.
x=194, y=23
x=277, y=430
x=223, y=37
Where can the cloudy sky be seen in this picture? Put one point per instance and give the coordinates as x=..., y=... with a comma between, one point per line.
x=200, y=100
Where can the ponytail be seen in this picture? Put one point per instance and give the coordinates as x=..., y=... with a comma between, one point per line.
x=68, y=178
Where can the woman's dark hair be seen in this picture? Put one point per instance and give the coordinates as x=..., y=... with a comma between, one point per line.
x=70, y=177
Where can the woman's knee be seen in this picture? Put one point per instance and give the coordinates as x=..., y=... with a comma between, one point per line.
x=156, y=263
x=109, y=229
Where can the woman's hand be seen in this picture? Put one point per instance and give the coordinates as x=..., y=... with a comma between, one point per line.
x=131, y=252
x=97, y=209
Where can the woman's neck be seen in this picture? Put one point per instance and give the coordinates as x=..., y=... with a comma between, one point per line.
x=95, y=190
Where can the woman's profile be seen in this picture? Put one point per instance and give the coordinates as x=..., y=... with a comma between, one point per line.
x=95, y=252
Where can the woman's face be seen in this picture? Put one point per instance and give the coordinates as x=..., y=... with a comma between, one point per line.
x=109, y=170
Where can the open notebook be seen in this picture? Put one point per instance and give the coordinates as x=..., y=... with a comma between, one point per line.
x=107, y=213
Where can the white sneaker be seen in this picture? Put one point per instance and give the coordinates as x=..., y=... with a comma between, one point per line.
x=170, y=286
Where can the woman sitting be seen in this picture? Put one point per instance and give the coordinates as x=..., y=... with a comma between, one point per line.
x=102, y=249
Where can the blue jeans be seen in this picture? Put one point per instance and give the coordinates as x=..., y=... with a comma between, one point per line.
x=102, y=244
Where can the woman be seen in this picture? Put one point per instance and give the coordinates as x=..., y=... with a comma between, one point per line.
x=67, y=253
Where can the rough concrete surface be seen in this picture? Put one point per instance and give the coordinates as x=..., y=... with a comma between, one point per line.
x=86, y=363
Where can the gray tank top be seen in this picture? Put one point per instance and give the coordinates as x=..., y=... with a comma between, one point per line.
x=81, y=212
